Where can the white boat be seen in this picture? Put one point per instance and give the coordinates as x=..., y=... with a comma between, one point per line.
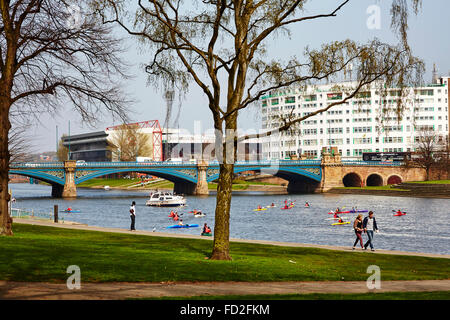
x=165, y=199
x=106, y=187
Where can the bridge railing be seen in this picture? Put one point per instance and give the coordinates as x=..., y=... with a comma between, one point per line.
x=372, y=163
x=129, y=164
x=24, y=165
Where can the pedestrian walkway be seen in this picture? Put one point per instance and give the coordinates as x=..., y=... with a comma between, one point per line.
x=126, y=290
x=72, y=225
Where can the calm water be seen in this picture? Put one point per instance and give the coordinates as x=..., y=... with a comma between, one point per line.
x=426, y=227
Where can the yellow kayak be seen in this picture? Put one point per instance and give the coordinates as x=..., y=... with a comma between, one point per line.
x=262, y=209
x=339, y=223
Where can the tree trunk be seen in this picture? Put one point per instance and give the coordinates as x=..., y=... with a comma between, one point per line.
x=226, y=156
x=221, y=247
x=5, y=125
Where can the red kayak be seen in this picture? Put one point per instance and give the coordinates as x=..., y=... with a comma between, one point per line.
x=286, y=208
x=357, y=211
x=400, y=214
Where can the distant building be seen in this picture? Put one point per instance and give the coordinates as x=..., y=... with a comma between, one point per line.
x=164, y=145
x=90, y=147
x=356, y=126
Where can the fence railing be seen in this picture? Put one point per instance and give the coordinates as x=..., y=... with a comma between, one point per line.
x=31, y=213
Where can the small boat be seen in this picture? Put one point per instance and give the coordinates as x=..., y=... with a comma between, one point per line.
x=260, y=209
x=400, y=214
x=165, y=199
x=340, y=223
x=106, y=187
x=207, y=234
x=199, y=215
x=182, y=226
x=351, y=211
x=71, y=211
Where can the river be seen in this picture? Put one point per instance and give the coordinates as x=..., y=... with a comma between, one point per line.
x=425, y=228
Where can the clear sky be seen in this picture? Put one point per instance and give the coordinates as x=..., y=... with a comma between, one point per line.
x=428, y=37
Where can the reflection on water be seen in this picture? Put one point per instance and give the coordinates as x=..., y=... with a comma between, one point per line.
x=425, y=228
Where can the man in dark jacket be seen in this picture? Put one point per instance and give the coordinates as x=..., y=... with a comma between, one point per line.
x=369, y=226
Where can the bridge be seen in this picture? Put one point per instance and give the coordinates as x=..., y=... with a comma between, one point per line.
x=304, y=176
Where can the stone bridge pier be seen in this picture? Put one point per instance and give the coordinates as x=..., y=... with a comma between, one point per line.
x=70, y=189
x=200, y=188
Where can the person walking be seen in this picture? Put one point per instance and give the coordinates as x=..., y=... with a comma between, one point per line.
x=133, y=215
x=358, y=227
x=369, y=226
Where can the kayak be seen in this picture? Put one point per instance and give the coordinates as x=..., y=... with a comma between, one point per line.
x=399, y=214
x=332, y=219
x=209, y=234
x=340, y=223
x=199, y=215
x=271, y=206
x=183, y=226
x=262, y=209
x=71, y=211
x=351, y=211
x=286, y=208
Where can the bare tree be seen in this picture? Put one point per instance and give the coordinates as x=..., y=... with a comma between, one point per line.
x=221, y=46
x=52, y=55
x=426, y=145
x=63, y=152
x=128, y=142
x=19, y=143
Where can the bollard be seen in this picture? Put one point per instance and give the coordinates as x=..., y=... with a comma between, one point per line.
x=55, y=213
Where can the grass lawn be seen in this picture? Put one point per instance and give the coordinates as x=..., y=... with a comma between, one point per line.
x=124, y=183
x=431, y=182
x=37, y=253
x=387, y=188
x=109, y=182
x=433, y=295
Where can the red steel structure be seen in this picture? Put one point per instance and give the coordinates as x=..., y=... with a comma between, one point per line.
x=157, y=135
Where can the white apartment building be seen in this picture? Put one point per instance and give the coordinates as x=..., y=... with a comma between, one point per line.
x=355, y=126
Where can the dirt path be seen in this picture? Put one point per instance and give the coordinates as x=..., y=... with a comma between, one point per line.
x=123, y=290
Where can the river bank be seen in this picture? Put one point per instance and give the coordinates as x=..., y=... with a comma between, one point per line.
x=416, y=190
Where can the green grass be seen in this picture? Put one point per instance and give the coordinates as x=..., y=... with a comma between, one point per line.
x=100, y=182
x=431, y=182
x=37, y=253
x=433, y=295
x=387, y=188
x=125, y=183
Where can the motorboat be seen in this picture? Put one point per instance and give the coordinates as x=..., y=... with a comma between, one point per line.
x=165, y=199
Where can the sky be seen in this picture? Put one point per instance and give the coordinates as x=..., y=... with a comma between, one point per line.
x=428, y=38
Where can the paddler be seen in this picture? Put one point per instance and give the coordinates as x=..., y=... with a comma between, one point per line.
x=172, y=214
x=206, y=229
x=306, y=204
x=259, y=207
x=399, y=212
x=197, y=213
x=272, y=205
x=176, y=217
x=180, y=223
x=69, y=209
